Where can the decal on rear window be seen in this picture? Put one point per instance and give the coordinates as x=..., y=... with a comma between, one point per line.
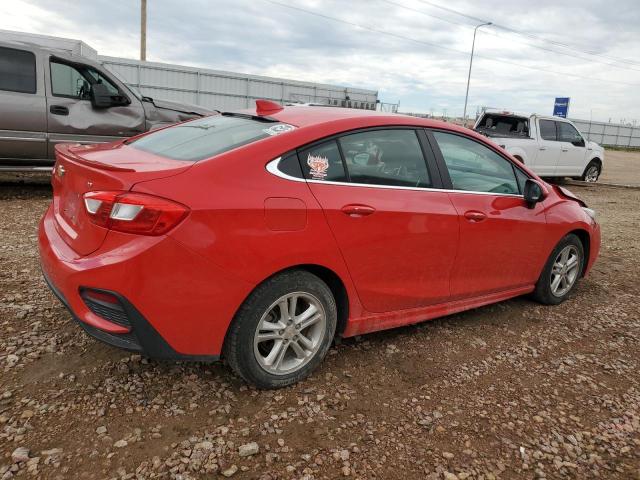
x=318, y=166
x=278, y=129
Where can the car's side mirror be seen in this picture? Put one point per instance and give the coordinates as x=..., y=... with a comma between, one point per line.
x=101, y=97
x=578, y=142
x=534, y=192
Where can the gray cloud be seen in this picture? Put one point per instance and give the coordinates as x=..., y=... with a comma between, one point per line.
x=256, y=36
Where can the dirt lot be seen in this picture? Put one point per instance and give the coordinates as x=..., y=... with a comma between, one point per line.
x=514, y=390
x=622, y=168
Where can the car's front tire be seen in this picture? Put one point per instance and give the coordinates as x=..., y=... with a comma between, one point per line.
x=283, y=330
x=561, y=272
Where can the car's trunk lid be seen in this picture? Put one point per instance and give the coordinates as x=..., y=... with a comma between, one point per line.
x=108, y=167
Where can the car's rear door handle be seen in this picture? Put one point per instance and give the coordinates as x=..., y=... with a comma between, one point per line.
x=543, y=148
x=59, y=110
x=474, y=216
x=565, y=149
x=357, y=210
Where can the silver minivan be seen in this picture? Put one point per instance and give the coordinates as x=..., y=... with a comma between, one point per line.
x=49, y=97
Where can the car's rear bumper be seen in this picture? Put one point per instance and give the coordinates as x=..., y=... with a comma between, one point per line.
x=175, y=304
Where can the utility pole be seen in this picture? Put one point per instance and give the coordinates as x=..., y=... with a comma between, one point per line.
x=473, y=45
x=143, y=30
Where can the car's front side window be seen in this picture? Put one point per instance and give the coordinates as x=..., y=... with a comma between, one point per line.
x=390, y=157
x=475, y=167
x=568, y=133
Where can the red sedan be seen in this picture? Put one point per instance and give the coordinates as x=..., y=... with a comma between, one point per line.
x=260, y=236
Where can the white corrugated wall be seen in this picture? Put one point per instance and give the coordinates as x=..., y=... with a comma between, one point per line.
x=226, y=90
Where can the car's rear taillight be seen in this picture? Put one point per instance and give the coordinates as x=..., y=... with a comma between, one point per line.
x=134, y=212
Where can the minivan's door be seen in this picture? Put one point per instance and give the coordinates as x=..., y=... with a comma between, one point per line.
x=398, y=237
x=502, y=241
x=23, y=121
x=572, y=150
x=71, y=116
x=549, y=148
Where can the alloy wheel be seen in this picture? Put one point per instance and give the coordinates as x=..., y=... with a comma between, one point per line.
x=592, y=174
x=564, y=271
x=290, y=333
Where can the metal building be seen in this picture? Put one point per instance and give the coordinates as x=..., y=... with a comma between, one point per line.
x=210, y=88
x=227, y=90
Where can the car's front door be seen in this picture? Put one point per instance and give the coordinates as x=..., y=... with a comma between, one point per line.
x=572, y=150
x=502, y=240
x=548, y=155
x=397, y=235
x=71, y=116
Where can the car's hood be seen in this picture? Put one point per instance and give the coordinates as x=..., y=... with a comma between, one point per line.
x=182, y=107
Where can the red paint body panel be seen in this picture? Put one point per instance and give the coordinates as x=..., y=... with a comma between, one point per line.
x=503, y=250
x=400, y=256
x=416, y=257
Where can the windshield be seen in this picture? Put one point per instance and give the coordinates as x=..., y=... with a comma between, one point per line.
x=207, y=137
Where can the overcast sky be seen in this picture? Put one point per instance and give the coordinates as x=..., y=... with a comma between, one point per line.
x=426, y=71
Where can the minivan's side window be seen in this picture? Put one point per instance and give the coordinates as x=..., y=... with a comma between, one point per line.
x=568, y=133
x=17, y=70
x=475, y=167
x=385, y=157
x=323, y=162
x=548, y=130
x=75, y=82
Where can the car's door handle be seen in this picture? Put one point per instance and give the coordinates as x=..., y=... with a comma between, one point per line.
x=59, y=110
x=357, y=210
x=565, y=149
x=543, y=148
x=474, y=216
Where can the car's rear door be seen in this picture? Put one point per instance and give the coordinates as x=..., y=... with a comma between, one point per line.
x=397, y=233
x=548, y=148
x=23, y=122
x=502, y=240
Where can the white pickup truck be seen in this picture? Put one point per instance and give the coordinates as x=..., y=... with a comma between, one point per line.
x=550, y=146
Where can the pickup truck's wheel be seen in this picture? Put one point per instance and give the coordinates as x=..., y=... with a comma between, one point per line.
x=561, y=272
x=592, y=172
x=282, y=331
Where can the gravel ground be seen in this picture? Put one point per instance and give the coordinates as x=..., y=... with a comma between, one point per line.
x=514, y=390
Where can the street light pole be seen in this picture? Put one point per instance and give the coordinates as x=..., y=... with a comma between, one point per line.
x=473, y=46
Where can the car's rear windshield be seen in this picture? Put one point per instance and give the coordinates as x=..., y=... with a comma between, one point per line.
x=207, y=137
x=501, y=125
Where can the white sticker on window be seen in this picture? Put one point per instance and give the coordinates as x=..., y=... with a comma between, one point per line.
x=278, y=129
x=319, y=166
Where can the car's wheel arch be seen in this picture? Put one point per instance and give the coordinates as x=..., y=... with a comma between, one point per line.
x=585, y=238
x=328, y=276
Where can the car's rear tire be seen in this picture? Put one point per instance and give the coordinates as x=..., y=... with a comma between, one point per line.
x=561, y=272
x=592, y=172
x=283, y=331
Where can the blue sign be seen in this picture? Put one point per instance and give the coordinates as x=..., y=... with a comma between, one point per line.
x=561, y=107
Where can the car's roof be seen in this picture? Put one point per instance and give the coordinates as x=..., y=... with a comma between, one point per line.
x=308, y=116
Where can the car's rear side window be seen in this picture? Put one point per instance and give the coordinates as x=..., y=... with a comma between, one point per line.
x=385, y=157
x=323, y=162
x=548, y=130
x=17, y=70
x=207, y=137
